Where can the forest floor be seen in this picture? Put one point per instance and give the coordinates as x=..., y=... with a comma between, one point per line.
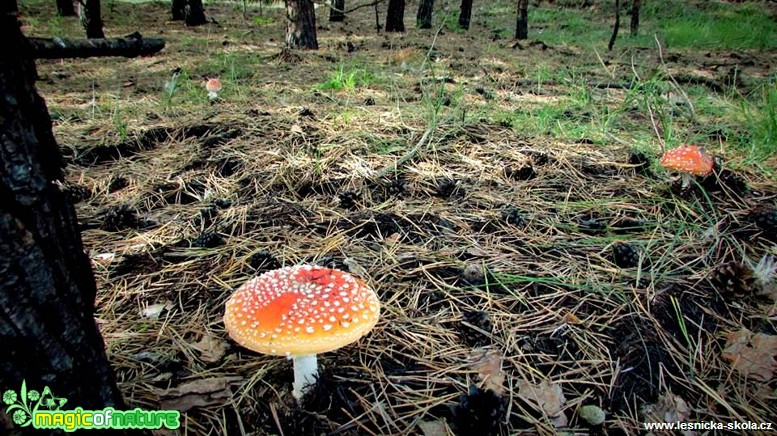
x=503, y=199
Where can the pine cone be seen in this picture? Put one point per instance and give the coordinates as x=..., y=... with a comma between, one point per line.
x=625, y=255
x=208, y=240
x=479, y=412
x=765, y=218
x=474, y=337
x=120, y=217
x=733, y=279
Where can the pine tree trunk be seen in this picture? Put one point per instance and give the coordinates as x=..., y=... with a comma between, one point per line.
x=90, y=18
x=424, y=17
x=47, y=290
x=395, y=16
x=178, y=10
x=194, y=13
x=65, y=8
x=617, y=25
x=336, y=12
x=466, y=14
x=522, y=24
x=301, y=24
x=635, y=7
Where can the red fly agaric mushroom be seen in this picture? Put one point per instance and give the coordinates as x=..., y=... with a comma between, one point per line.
x=689, y=160
x=301, y=311
x=213, y=86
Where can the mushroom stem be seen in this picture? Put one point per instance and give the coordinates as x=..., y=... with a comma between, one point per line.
x=687, y=179
x=305, y=373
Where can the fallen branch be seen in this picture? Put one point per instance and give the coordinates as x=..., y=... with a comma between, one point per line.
x=130, y=46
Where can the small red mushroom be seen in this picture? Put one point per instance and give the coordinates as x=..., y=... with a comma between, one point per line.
x=301, y=311
x=689, y=160
x=213, y=86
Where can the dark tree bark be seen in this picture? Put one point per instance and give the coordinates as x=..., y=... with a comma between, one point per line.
x=90, y=18
x=395, y=16
x=301, y=24
x=66, y=8
x=129, y=46
x=522, y=24
x=337, y=11
x=617, y=25
x=466, y=14
x=424, y=17
x=194, y=13
x=178, y=10
x=47, y=290
x=635, y=7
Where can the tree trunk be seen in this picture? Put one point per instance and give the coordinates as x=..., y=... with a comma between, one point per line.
x=47, y=329
x=635, y=7
x=65, y=8
x=90, y=18
x=466, y=14
x=194, y=13
x=178, y=10
x=395, y=16
x=301, y=24
x=522, y=24
x=130, y=46
x=337, y=11
x=616, y=26
x=424, y=17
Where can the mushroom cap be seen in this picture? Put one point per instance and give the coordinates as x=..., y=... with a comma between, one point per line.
x=690, y=159
x=301, y=310
x=213, y=85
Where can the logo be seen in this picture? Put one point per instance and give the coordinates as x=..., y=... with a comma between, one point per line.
x=43, y=410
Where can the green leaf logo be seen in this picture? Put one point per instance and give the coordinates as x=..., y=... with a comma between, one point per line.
x=23, y=405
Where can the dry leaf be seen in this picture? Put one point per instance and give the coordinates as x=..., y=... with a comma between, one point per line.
x=433, y=428
x=198, y=393
x=571, y=318
x=153, y=311
x=668, y=408
x=104, y=257
x=211, y=349
x=488, y=364
x=753, y=355
x=547, y=396
x=476, y=251
x=295, y=128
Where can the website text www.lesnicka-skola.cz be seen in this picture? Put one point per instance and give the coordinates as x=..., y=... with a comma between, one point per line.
x=709, y=425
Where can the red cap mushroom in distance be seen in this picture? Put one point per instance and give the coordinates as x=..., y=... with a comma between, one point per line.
x=213, y=85
x=301, y=311
x=690, y=159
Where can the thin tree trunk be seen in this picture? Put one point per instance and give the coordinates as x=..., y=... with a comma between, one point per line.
x=194, y=13
x=301, y=24
x=395, y=16
x=635, y=7
x=424, y=17
x=65, y=8
x=616, y=26
x=466, y=14
x=90, y=18
x=178, y=10
x=337, y=11
x=522, y=24
x=47, y=290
